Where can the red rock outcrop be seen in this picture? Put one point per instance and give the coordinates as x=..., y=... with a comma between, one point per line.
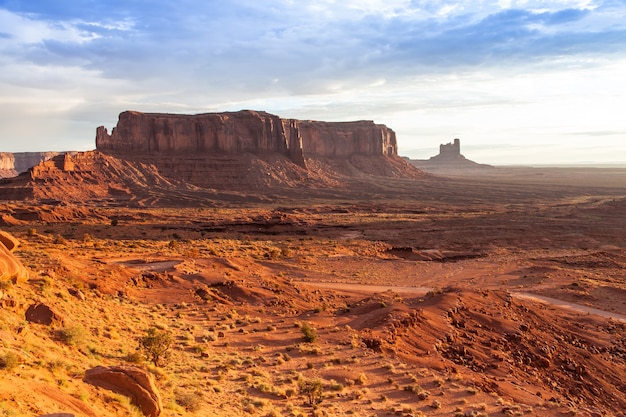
x=244, y=132
x=129, y=381
x=10, y=267
x=42, y=314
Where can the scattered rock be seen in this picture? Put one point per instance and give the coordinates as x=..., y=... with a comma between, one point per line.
x=76, y=293
x=203, y=294
x=42, y=314
x=131, y=382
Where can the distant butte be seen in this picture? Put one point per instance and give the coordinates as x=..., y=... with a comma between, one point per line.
x=449, y=157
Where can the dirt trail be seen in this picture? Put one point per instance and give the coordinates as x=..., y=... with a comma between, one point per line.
x=571, y=306
x=364, y=288
x=370, y=289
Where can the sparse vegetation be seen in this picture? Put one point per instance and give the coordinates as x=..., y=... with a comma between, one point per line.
x=191, y=401
x=8, y=361
x=156, y=344
x=309, y=333
x=73, y=335
x=311, y=389
x=253, y=344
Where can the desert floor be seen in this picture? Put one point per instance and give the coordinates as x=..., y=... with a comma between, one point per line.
x=483, y=293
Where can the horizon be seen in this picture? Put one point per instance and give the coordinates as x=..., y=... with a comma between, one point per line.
x=519, y=82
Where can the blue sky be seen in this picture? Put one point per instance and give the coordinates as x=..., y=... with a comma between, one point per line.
x=519, y=82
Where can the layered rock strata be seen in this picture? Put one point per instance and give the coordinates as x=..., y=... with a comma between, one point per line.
x=244, y=132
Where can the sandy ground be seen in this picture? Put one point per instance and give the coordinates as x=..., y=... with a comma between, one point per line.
x=465, y=297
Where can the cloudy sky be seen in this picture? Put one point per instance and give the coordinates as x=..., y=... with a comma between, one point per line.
x=518, y=81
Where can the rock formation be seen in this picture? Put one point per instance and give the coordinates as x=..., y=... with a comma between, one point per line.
x=131, y=382
x=244, y=132
x=154, y=158
x=10, y=267
x=43, y=314
x=12, y=164
x=449, y=157
x=450, y=151
x=7, y=165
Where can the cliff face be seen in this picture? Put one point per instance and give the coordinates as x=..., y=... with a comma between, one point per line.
x=244, y=132
x=7, y=165
x=12, y=164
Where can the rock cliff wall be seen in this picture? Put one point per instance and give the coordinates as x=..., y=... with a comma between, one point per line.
x=7, y=165
x=12, y=164
x=244, y=132
x=7, y=161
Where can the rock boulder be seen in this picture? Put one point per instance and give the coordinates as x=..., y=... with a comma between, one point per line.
x=42, y=314
x=131, y=382
x=10, y=267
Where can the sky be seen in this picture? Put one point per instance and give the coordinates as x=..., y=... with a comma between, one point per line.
x=517, y=81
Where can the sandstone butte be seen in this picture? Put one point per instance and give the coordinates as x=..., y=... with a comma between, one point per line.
x=245, y=131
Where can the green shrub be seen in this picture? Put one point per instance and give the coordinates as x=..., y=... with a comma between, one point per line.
x=156, y=344
x=191, y=401
x=9, y=361
x=72, y=336
x=308, y=332
x=311, y=389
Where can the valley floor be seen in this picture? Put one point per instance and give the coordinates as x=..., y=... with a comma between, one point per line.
x=468, y=296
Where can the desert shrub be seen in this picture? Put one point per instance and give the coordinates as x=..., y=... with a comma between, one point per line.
x=9, y=361
x=311, y=389
x=336, y=386
x=361, y=379
x=59, y=240
x=155, y=345
x=190, y=401
x=309, y=333
x=72, y=336
x=135, y=357
x=114, y=222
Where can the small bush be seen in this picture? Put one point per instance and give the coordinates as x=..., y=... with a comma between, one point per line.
x=135, y=357
x=72, y=336
x=362, y=379
x=191, y=401
x=59, y=240
x=311, y=389
x=156, y=344
x=9, y=361
x=308, y=332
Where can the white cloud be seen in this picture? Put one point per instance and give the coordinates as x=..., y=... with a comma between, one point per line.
x=488, y=72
